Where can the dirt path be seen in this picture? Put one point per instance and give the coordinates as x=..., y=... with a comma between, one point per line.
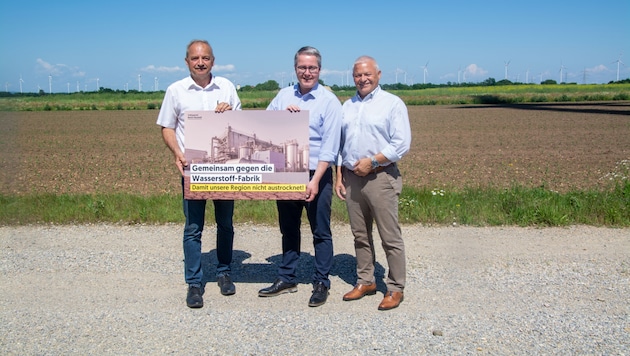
x=119, y=290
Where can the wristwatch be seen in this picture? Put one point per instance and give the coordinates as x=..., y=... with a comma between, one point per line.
x=374, y=163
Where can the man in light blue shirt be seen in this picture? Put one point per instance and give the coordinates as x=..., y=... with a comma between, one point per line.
x=324, y=111
x=375, y=135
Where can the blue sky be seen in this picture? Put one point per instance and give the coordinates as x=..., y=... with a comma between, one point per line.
x=65, y=45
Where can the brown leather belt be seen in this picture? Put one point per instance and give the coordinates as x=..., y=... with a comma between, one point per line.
x=379, y=169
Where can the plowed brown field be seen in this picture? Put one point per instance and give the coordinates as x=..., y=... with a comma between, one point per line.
x=560, y=146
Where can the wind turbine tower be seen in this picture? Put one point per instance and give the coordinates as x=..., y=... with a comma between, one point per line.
x=155, y=84
x=97, y=87
x=21, y=81
x=139, y=82
x=348, y=76
x=562, y=67
x=49, y=84
x=527, y=76
x=618, y=61
x=507, y=64
x=424, y=73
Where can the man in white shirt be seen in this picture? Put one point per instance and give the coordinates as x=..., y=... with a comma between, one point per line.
x=200, y=91
x=375, y=135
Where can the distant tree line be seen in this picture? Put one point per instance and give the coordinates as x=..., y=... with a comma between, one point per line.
x=272, y=85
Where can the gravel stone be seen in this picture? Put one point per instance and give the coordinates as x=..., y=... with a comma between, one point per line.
x=119, y=289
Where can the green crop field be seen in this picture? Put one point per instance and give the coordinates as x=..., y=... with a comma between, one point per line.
x=446, y=95
x=541, y=164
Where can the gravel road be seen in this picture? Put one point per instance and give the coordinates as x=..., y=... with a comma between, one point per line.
x=119, y=289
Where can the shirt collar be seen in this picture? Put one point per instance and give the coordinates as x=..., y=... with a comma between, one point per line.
x=312, y=92
x=192, y=85
x=370, y=95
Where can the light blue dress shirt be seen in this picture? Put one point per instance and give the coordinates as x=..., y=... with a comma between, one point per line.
x=324, y=111
x=377, y=123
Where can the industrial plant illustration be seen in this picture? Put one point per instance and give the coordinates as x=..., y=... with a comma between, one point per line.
x=235, y=147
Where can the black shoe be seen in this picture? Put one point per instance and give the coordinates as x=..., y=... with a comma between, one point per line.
x=320, y=294
x=225, y=283
x=194, y=298
x=278, y=287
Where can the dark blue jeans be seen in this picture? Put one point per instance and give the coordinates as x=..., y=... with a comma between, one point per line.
x=318, y=213
x=194, y=211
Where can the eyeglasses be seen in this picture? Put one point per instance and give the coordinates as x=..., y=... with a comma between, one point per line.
x=303, y=69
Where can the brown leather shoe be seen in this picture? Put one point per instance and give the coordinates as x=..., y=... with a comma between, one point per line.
x=391, y=300
x=359, y=291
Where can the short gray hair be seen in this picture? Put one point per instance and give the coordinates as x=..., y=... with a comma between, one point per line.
x=365, y=59
x=199, y=41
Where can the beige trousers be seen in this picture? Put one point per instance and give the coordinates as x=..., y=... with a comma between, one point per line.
x=375, y=198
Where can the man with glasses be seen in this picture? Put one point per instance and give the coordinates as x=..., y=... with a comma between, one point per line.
x=325, y=131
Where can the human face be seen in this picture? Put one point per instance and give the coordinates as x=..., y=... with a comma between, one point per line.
x=200, y=61
x=366, y=77
x=307, y=78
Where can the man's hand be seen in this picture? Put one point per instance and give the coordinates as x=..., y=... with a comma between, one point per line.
x=222, y=107
x=363, y=167
x=181, y=163
x=293, y=108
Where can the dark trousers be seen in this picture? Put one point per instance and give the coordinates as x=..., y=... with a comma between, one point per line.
x=194, y=211
x=318, y=213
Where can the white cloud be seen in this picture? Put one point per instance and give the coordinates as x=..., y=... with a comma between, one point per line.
x=52, y=69
x=598, y=69
x=224, y=68
x=57, y=69
x=324, y=72
x=162, y=69
x=474, y=70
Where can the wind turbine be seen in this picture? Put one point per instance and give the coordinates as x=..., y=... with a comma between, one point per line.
x=506, y=68
x=348, y=76
x=139, y=82
x=21, y=81
x=618, y=61
x=424, y=73
x=97, y=87
x=584, y=76
x=155, y=84
x=49, y=84
x=527, y=76
x=562, y=67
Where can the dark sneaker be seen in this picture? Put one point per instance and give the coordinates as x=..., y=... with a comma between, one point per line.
x=225, y=283
x=194, y=298
x=320, y=294
x=278, y=287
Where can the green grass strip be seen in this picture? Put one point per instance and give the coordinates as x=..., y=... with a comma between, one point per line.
x=517, y=206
